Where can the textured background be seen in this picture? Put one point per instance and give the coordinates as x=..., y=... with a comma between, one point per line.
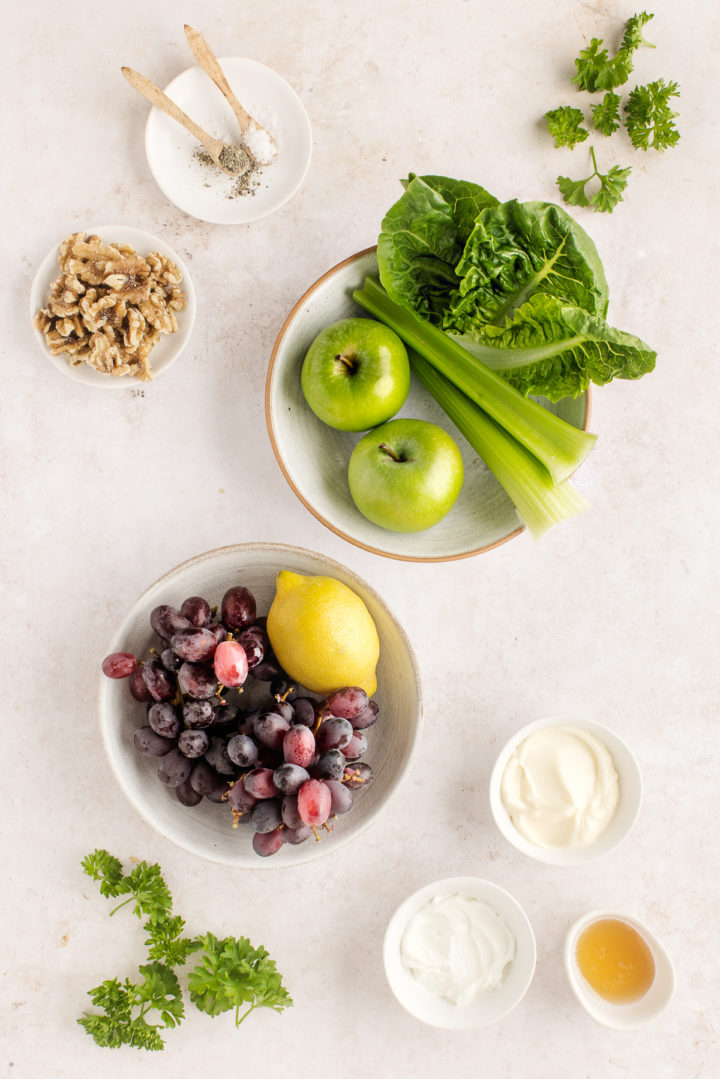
x=612, y=616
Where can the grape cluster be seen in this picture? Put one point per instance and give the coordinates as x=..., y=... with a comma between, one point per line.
x=288, y=765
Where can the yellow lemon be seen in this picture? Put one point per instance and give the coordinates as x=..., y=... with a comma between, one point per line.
x=322, y=634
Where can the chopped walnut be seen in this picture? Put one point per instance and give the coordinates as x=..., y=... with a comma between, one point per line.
x=109, y=306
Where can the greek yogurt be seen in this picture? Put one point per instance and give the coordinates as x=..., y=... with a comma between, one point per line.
x=457, y=947
x=560, y=787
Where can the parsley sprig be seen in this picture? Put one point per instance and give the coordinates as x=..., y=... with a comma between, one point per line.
x=609, y=193
x=596, y=70
x=231, y=973
x=606, y=115
x=126, y=1004
x=649, y=118
x=565, y=126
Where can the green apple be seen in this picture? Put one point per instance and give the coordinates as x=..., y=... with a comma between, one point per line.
x=405, y=475
x=356, y=374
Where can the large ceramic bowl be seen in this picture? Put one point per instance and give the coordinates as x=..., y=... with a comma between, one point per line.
x=314, y=458
x=206, y=830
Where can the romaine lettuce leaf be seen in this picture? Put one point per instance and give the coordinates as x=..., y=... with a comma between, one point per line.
x=520, y=249
x=422, y=240
x=552, y=349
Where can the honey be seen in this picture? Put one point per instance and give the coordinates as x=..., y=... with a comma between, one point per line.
x=615, y=960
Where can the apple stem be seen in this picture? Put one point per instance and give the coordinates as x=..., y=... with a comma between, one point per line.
x=348, y=361
x=390, y=452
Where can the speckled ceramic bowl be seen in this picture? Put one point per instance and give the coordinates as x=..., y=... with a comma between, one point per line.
x=314, y=458
x=206, y=829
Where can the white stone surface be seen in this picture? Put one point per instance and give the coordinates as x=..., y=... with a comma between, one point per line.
x=613, y=616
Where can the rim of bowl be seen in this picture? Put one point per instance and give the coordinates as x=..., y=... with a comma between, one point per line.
x=603, y=1012
x=323, y=520
x=554, y=855
x=115, y=645
x=401, y=916
x=101, y=380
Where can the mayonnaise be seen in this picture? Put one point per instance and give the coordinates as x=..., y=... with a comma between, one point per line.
x=457, y=947
x=560, y=787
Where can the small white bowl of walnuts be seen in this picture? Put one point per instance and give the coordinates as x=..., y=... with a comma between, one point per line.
x=112, y=305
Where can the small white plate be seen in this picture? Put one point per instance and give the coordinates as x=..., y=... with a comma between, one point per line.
x=621, y=1016
x=205, y=194
x=167, y=349
x=486, y=1008
x=625, y=815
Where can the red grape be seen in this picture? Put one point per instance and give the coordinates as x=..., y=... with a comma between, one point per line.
x=230, y=663
x=238, y=609
x=348, y=702
x=333, y=734
x=197, y=681
x=356, y=747
x=194, y=644
x=366, y=718
x=197, y=611
x=357, y=775
x=166, y=621
x=260, y=783
x=267, y=843
x=314, y=802
x=119, y=665
x=158, y=681
x=138, y=687
x=299, y=746
x=341, y=797
x=289, y=778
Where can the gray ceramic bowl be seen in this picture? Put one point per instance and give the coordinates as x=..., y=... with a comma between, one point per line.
x=206, y=830
x=314, y=457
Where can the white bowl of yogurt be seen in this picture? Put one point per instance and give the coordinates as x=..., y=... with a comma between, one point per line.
x=565, y=791
x=459, y=953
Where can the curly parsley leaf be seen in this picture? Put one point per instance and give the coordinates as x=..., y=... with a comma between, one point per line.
x=148, y=889
x=649, y=119
x=597, y=71
x=565, y=126
x=126, y=1004
x=606, y=115
x=608, y=194
x=633, y=36
x=108, y=870
x=232, y=974
x=166, y=944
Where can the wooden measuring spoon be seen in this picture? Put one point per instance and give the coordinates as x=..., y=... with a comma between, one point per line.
x=259, y=143
x=231, y=159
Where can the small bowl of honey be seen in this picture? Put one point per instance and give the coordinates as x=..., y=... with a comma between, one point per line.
x=618, y=969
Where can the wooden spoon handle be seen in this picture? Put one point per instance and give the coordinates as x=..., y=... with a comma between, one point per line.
x=156, y=97
x=208, y=62
x=263, y=147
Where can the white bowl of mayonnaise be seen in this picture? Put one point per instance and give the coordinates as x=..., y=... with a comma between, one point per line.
x=459, y=953
x=565, y=791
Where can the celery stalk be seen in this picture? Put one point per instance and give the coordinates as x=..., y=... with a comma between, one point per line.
x=557, y=444
x=540, y=502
